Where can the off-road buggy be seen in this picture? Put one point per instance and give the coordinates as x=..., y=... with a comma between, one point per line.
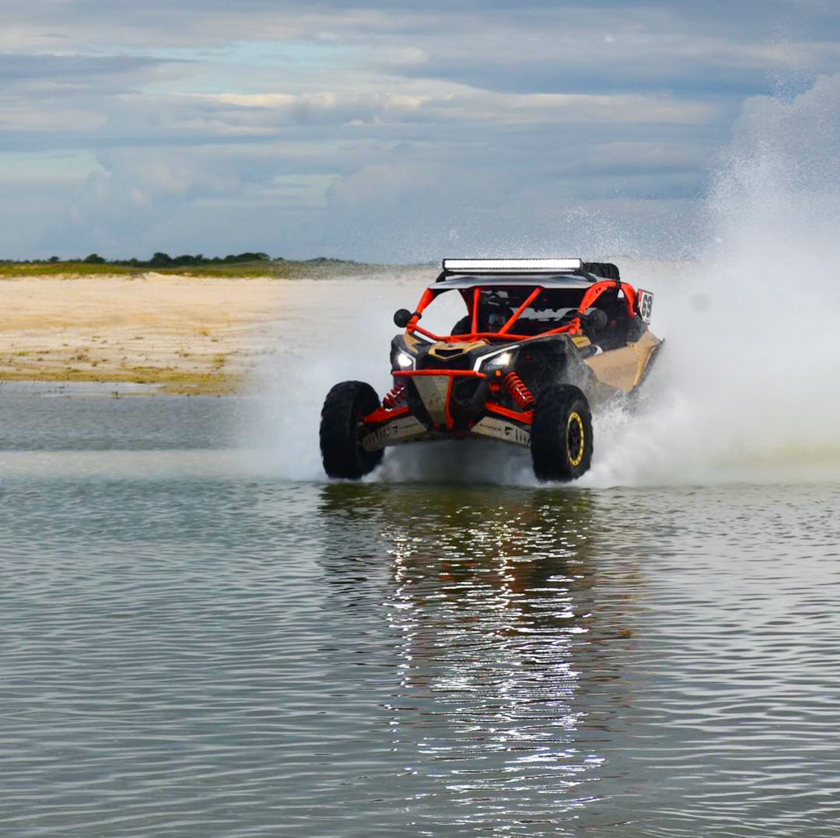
x=541, y=342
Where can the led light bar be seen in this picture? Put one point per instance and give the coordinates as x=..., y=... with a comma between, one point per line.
x=495, y=266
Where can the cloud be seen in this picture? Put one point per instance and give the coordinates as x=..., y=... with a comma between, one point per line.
x=75, y=74
x=636, y=65
x=381, y=128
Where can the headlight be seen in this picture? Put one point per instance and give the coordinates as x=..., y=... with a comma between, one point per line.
x=496, y=361
x=404, y=360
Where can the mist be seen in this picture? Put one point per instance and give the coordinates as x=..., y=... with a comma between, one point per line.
x=746, y=386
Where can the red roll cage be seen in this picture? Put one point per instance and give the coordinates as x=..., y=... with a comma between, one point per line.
x=473, y=302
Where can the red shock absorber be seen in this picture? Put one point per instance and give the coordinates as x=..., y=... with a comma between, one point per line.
x=518, y=390
x=395, y=396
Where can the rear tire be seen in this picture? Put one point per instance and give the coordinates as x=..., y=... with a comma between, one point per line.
x=561, y=434
x=341, y=430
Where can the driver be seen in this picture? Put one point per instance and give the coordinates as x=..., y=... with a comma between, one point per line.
x=493, y=313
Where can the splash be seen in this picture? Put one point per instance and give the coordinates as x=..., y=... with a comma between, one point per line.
x=747, y=383
x=330, y=330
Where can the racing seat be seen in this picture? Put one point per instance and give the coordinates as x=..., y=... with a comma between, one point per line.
x=463, y=326
x=491, y=319
x=619, y=329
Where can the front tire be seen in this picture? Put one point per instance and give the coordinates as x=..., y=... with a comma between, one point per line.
x=561, y=434
x=341, y=430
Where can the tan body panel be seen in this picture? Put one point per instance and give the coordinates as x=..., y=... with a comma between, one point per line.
x=449, y=349
x=624, y=368
x=434, y=392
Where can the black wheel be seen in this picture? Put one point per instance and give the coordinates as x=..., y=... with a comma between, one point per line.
x=561, y=436
x=341, y=427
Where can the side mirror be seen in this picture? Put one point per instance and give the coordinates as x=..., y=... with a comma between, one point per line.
x=402, y=317
x=595, y=318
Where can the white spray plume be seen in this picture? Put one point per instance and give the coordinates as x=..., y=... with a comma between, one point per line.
x=747, y=384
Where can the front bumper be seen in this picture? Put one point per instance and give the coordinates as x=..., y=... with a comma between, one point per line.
x=445, y=404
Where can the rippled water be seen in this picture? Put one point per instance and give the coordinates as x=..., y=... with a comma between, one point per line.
x=192, y=646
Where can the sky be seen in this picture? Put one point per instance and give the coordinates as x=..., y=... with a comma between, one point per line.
x=398, y=131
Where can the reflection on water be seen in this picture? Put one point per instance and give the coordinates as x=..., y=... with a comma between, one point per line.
x=190, y=647
x=509, y=638
x=573, y=659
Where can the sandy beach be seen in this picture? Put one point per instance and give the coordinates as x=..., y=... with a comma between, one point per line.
x=190, y=334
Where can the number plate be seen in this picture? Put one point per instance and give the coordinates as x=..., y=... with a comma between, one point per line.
x=644, y=301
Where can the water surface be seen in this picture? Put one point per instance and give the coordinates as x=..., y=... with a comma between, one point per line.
x=192, y=646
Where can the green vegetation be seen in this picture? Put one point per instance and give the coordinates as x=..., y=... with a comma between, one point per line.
x=234, y=265
x=55, y=268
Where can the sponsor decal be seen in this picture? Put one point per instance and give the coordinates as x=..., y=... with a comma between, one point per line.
x=505, y=431
x=400, y=430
